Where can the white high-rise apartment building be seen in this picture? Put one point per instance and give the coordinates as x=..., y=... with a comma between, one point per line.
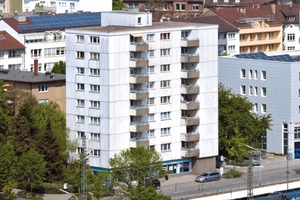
x=131, y=82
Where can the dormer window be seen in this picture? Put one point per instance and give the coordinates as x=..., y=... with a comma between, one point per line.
x=292, y=18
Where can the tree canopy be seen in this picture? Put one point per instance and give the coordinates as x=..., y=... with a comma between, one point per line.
x=117, y=5
x=59, y=68
x=238, y=125
x=152, y=5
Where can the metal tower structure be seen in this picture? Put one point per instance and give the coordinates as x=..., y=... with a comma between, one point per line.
x=250, y=180
x=83, y=189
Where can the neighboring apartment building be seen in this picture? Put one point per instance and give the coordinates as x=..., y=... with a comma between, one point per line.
x=11, y=52
x=213, y=4
x=44, y=36
x=271, y=82
x=259, y=30
x=134, y=83
x=228, y=37
x=45, y=87
x=66, y=6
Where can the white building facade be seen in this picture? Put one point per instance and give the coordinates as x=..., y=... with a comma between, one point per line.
x=272, y=85
x=141, y=84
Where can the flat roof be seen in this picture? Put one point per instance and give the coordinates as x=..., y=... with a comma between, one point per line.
x=282, y=57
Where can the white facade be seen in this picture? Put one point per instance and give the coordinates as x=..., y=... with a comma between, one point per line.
x=229, y=43
x=273, y=88
x=12, y=59
x=291, y=40
x=68, y=5
x=146, y=84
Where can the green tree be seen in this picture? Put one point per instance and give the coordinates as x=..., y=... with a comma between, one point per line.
x=101, y=185
x=8, y=192
x=32, y=168
x=117, y=5
x=59, y=68
x=152, y=5
x=4, y=115
x=238, y=126
x=132, y=167
x=8, y=164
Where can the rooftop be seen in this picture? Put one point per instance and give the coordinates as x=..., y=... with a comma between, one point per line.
x=7, y=42
x=28, y=77
x=277, y=57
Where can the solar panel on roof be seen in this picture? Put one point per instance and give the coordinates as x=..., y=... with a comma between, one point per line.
x=263, y=56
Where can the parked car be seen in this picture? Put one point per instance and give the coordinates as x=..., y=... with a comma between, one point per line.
x=208, y=176
x=247, y=160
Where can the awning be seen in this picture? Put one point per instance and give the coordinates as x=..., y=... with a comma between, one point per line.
x=137, y=35
x=6, y=86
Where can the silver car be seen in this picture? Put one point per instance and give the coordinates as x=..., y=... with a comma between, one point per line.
x=208, y=176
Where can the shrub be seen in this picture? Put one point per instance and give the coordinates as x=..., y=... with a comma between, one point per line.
x=232, y=174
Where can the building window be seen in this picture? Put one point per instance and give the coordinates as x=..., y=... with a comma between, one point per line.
x=250, y=90
x=167, y=6
x=164, y=84
x=263, y=108
x=80, y=38
x=291, y=48
x=80, y=55
x=95, y=152
x=79, y=150
x=165, y=36
x=231, y=36
x=271, y=35
x=13, y=54
x=151, y=117
x=1, y=54
x=242, y=37
x=165, y=115
x=150, y=69
x=80, y=119
x=255, y=74
x=165, y=52
x=139, y=20
x=259, y=36
x=243, y=90
x=80, y=70
x=255, y=91
x=80, y=86
x=231, y=48
x=94, y=40
x=150, y=53
x=271, y=46
x=166, y=147
x=150, y=37
x=165, y=99
x=94, y=56
x=195, y=7
x=43, y=88
x=36, y=53
x=151, y=101
x=95, y=104
x=291, y=37
x=80, y=134
x=59, y=51
x=150, y=85
x=72, y=5
x=95, y=88
x=255, y=108
x=94, y=72
x=263, y=75
x=80, y=102
x=263, y=91
x=151, y=133
x=95, y=120
x=165, y=68
x=251, y=37
x=243, y=73
x=165, y=131
x=95, y=136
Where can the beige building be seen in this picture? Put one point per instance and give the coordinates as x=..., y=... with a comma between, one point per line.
x=45, y=87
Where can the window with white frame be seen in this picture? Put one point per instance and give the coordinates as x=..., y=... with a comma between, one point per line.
x=291, y=37
x=165, y=84
x=165, y=115
x=165, y=131
x=263, y=91
x=43, y=88
x=165, y=68
x=80, y=38
x=151, y=133
x=231, y=48
x=165, y=99
x=150, y=37
x=255, y=74
x=95, y=136
x=95, y=152
x=94, y=56
x=290, y=48
x=231, y=36
x=243, y=89
x=95, y=120
x=94, y=40
x=80, y=150
x=250, y=90
x=151, y=53
x=165, y=36
x=167, y=6
x=36, y=53
x=1, y=54
x=58, y=51
x=94, y=72
x=250, y=74
x=80, y=70
x=95, y=104
x=263, y=75
x=80, y=134
x=263, y=108
x=80, y=119
x=150, y=85
x=80, y=86
x=255, y=108
x=195, y=7
x=80, y=102
x=150, y=69
x=255, y=91
x=165, y=52
x=95, y=88
x=151, y=117
x=243, y=73
x=166, y=147
x=79, y=54
x=151, y=101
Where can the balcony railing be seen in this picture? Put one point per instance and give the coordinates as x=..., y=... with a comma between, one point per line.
x=189, y=152
x=138, y=46
x=193, y=73
x=187, y=42
x=189, y=121
x=189, y=105
x=139, y=78
x=189, y=89
x=190, y=137
x=139, y=94
x=139, y=142
x=139, y=110
x=139, y=126
x=190, y=58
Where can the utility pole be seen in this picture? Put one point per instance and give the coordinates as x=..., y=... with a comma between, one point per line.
x=250, y=180
x=83, y=189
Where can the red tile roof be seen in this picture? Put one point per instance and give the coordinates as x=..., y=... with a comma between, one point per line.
x=7, y=42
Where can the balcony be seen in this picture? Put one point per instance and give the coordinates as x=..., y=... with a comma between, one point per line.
x=139, y=62
x=189, y=152
x=139, y=94
x=139, y=110
x=139, y=126
x=190, y=137
x=41, y=8
x=189, y=105
x=139, y=78
x=138, y=46
x=190, y=73
x=189, y=58
x=189, y=121
x=189, y=89
x=186, y=42
x=139, y=142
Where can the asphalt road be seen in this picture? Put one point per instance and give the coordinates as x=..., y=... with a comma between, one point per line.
x=272, y=172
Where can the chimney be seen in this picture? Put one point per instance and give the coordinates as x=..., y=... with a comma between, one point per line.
x=273, y=8
x=35, y=67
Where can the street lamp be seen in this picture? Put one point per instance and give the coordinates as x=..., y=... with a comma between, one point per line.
x=259, y=161
x=64, y=191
